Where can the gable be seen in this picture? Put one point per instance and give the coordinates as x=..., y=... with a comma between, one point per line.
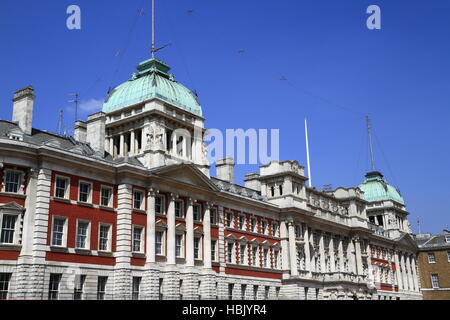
x=186, y=173
x=407, y=241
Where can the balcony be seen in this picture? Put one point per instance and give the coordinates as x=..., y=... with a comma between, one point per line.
x=379, y=231
x=343, y=276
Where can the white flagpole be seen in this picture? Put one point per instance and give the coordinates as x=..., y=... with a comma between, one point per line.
x=307, y=153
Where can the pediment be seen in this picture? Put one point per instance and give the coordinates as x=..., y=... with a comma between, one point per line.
x=407, y=241
x=187, y=174
x=11, y=206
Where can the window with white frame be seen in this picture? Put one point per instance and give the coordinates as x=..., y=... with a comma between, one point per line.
x=106, y=199
x=229, y=218
x=230, y=252
x=213, y=216
x=5, y=278
x=266, y=257
x=138, y=239
x=79, y=286
x=431, y=258
x=8, y=232
x=104, y=241
x=53, y=288
x=136, y=288
x=435, y=281
x=196, y=212
x=159, y=235
x=253, y=224
x=179, y=209
x=179, y=245
x=213, y=250
x=159, y=205
x=243, y=254
x=276, y=257
x=138, y=200
x=13, y=181
x=197, y=249
x=447, y=239
x=254, y=255
x=85, y=192
x=59, y=232
x=62, y=187
x=241, y=222
x=263, y=226
x=274, y=229
x=101, y=287
x=82, y=235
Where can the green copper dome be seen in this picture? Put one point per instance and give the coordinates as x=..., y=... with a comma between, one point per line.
x=152, y=81
x=376, y=188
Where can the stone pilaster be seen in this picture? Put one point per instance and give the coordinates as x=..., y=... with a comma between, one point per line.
x=171, y=253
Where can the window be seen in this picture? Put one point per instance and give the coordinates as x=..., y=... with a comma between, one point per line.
x=196, y=209
x=276, y=255
x=161, y=282
x=229, y=219
x=85, y=192
x=101, y=287
x=230, y=291
x=431, y=258
x=104, y=238
x=178, y=245
x=4, y=285
x=263, y=227
x=253, y=224
x=213, y=216
x=435, y=281
x=266, y=293
x=178, y=209
x=254, y=255
x=298, y=231
x=58, y=232
x=136, y=288
x=266, y=258
x=53, y=290
x=12, y=181
x=8, y=229
x=82, y=235
x=448, y=256
x=196, y=248
x=230, y=252
x=242, y=253
x=243, y=290
x=106, y=197
x=159, y=205
x=79, y=285
x=241, y=222
x=159, y=243
x=213, y=250
x=447, y=239
x=62, y=187
x=137, y=239
x=274, y=229
x=255, y=292
x=138, y=201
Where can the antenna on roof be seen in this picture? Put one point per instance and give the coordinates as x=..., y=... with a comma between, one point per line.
x=75, y=100
x=307, y=153
x=369, y=131
x=154, y=49
x=60, y=127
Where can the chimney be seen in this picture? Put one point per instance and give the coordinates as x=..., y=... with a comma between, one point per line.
x=225, y=169
x=96, y=126
x=80, y=131
x=252, y=181
x=23, y=104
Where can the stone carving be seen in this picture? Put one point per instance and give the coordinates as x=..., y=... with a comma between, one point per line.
x=204, y=154
x=155, y=137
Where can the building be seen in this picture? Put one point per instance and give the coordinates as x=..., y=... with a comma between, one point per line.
x=434, y=265
x=127, y=209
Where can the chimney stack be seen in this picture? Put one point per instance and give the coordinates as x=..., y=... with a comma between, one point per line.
x=80, y=131
x=96, y=126
x=252, y=181
x=23, y=104
x=225, y=169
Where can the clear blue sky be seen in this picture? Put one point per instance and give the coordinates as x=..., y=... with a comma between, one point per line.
x=337, y=71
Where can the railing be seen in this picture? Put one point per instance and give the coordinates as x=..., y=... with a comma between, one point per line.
x=344, y=276
x=379, y=231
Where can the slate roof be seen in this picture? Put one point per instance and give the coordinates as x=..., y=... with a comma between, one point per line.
x=431, y=241
x=237, y=189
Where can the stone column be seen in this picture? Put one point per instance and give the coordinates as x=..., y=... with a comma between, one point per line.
x=398, y=272
x=292, y=249
x=359, y=266
x=171, y=254
x=369, y=262
x=410, y=275
x=284, y=246
x=307, y=248
x=332, y=258
x=151, y=232
x=132, y=143
x=404, y=274
x=414, y=270
x=341, y=255
x=322, y=253
x=190, y=234
x=207, y=263
x=111, y=146
x=174, y=144
x=122, y=145
x=352, y=259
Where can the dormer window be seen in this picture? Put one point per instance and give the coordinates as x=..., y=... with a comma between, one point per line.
x=16, y=137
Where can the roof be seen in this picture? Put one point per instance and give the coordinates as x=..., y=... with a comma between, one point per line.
x=152, y=81
x=433, y=242
x=237, y=189
x=376, y=188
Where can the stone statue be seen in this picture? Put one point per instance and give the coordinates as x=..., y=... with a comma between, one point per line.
x=155, y=137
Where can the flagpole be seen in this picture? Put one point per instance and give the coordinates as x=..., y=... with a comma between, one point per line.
x=307, y=153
